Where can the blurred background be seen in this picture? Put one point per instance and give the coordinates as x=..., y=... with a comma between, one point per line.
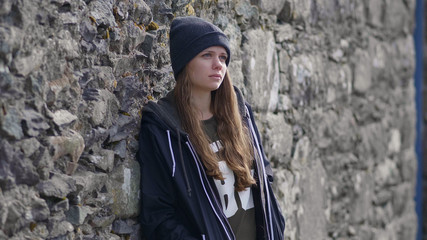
x=337, y=89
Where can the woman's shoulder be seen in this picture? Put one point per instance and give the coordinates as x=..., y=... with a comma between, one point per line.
x=161, y=113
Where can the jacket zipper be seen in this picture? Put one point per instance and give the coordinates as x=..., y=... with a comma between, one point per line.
x=269, y=222
x=197, y=161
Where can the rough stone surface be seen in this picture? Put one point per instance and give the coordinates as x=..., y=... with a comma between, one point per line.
x=58, y=186
x=124, y=186
x=261, y=69
x=331, y=83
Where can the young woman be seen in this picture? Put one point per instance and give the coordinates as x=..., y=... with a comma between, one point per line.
x=204, y=173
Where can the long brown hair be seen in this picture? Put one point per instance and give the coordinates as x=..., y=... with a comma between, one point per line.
x=233, y=134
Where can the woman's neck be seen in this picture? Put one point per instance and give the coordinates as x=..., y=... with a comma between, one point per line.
x=202, y=103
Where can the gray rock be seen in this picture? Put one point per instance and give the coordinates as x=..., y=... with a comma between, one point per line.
x=15, y=168
x=302, y=10
x=23, y=206
x=26, y=233
x=44, y=163
x=70, y=144
x=88, y=30
x=270, y=6
x=61, y=206
x=87, y=47
x=372, y=144
x=284, y=64
x=107, y=160
x=59, y=228
x=261, y=69
x=246, y=10
x=284, y=32
x=279, y=136
x=33, y=123
x=337, y=55
x=94, y=136
x=102, y=222
x=121, y=227
x=382, y=197
x=395, y=142
x=24, y=170
x=396, y=16
x=142, y=13
x=7, y=180
x=2, y=235
x=10, y=40
x=25, y=64
x=387, y=173
x=123, y=184
x=36, y=85
x=6, y=77
x=364, y=186
x=10, y=123
x=77, y=214
x=235, y=67
x=63, y=118
x=3, y=210
x=123, y=129
x=102, y=12
x=286, y=14
x=58, y=186
x=375, y=10
x=301, y=153
x=146, y=47
x=401, y=195
x=302, y=71
x=103, y=109
x=97, y=77
x=362, y=71
x=285, y=103
x=120, y=149
x=68, y=18
x=88, y=182
x=408, y=165
x=5, y=7
x=324, y=11
x=102, y=200
x=313, y=225
x=135, y=36
x=121, y=11
x=130, y=92
x=67, y=45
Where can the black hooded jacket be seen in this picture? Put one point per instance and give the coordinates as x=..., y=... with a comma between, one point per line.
x=179, y=201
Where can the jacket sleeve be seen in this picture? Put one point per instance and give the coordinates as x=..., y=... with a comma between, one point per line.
x=158, y=199
x=267, y=166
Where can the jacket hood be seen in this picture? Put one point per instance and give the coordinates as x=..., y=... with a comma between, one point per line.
x=164, y=113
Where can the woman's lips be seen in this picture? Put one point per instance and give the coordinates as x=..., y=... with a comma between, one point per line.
x=216, y=76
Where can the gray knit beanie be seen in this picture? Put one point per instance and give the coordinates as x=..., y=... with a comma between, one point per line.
x=191, y=35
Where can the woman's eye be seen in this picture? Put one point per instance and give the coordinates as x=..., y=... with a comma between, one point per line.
x=223, y=58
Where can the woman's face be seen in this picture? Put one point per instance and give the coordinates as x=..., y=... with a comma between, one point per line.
x=207, y=69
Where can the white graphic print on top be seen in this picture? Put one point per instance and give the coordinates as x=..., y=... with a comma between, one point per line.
x=226, y=192
x=226, y=189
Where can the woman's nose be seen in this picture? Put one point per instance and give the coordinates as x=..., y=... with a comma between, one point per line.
x=217, y=64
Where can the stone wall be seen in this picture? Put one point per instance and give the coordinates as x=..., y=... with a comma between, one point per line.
x=331, y=83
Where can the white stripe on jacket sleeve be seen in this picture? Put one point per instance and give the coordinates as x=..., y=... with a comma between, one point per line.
x=171, y=150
